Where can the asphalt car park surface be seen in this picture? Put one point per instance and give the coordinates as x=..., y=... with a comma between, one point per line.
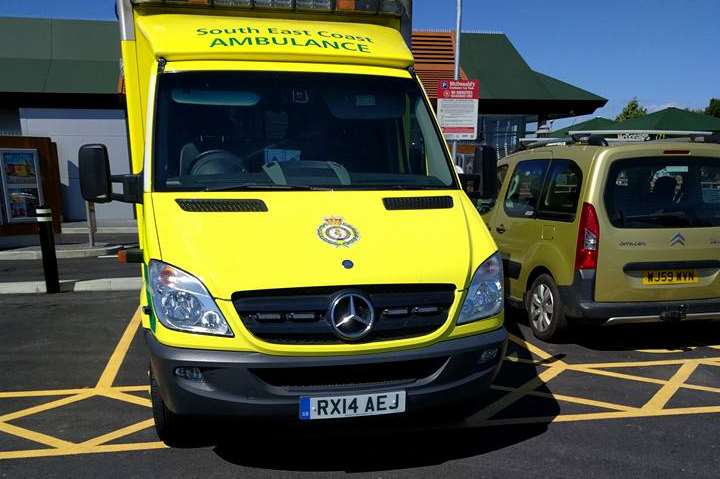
x=76, y=269
x=623, y=402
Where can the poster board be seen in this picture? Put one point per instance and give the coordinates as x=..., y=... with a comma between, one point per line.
x=29, y=177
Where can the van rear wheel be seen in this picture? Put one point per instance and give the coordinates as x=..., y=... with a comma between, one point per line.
x=545, y=312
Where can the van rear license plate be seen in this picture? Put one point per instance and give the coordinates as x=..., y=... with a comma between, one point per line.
x=335, y=407
x=670, y=277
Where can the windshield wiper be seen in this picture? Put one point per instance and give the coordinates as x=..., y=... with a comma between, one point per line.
x=395, y=187
x=261, y=187
x=664, y=218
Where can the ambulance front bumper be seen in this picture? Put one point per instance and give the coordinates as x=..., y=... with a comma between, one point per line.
x=261, y=386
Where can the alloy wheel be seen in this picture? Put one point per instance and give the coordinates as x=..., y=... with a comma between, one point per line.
x=542, y=307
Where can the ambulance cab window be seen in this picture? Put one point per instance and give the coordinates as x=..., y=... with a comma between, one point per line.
x=256, y=130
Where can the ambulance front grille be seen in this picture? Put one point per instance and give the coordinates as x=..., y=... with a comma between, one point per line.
x=299, y=316
x=351, y=376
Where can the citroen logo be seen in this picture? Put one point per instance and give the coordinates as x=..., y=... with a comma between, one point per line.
x=678, y=239
x=351, y=316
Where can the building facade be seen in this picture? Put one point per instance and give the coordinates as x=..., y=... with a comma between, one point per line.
x=62, y=79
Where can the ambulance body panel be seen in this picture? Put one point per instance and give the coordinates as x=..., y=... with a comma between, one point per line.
x=300, y=220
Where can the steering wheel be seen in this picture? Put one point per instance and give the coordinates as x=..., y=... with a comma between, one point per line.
x=217, y=162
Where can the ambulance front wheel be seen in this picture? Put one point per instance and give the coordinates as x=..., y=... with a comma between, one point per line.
x=173, y=429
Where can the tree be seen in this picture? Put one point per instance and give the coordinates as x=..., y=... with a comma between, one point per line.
x=632, y=110
x=713, y=108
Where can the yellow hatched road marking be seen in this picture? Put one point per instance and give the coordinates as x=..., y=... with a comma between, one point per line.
x=139, y=446
x=129, y=398
x=34, y=436
x=614, y=374
x=118, y=355
x=639, y=413
x=532, y=348
x=48, y=392
x=667, y=351
x=46, y=406
x=520, y=392
x=573, y=399
x=554, y=367
x=642, y=379
x=661, y=398
x=126, y=431
x=130, y=389
x=696, y=387
x=640, y=364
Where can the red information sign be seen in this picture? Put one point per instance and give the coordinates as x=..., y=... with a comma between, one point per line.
x=458, y=89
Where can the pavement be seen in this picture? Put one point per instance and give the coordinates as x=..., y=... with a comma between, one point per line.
x=76, y=274
x=620, y=402
x=67, y=245
x=102, y=227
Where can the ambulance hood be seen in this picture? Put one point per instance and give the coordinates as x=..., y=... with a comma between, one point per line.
x=307, y=239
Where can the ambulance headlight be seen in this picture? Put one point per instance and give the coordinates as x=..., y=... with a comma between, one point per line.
x=485, y=296
x=181, y=302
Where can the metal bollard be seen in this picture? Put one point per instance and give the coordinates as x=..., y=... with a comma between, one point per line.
x=47, y=245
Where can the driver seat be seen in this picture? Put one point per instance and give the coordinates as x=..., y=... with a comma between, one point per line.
x=188, y=153
x=191, y=150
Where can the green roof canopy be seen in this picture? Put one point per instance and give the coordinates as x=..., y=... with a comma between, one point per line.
x=672, y=119
x=83, y=57
x=506, y=78
x=59, y=56
x=597, y=123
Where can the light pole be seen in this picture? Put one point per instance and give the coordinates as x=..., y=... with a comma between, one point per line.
x=458, y=32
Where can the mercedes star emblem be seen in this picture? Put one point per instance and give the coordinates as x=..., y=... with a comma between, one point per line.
x=351, y=316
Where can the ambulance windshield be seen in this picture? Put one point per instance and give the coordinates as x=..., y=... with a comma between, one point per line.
x=277, y=130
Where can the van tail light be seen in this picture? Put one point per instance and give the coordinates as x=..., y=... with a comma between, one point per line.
x=588, y=239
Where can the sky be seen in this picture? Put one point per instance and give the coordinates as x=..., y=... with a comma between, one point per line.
x=664, y=52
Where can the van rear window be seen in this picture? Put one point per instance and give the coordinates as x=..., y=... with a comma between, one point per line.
x=664, y=193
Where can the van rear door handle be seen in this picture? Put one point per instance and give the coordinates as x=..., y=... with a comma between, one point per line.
x=500, y=229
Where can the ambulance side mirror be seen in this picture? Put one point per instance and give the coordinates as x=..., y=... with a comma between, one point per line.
x=96, y=180
x=95, y=184
x=480, y=183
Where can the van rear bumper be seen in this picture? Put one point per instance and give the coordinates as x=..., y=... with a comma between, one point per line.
x=247, y=384
x=578, y=302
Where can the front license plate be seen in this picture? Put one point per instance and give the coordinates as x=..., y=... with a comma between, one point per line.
x=669, y=277
x=334, y=407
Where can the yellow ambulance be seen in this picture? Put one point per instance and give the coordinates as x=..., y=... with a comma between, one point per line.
x=308, y=251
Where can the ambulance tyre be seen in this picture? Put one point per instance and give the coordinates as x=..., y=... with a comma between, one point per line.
x=545, y=312
x=172, y=429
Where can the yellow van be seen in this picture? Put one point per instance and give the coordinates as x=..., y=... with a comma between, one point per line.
x=610, y=234
x=308, y=252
